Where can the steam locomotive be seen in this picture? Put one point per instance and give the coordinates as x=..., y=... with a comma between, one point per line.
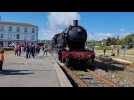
x=70, y=47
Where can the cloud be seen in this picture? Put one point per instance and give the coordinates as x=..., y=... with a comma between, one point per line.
x=46, y=34
x=99, y=35
x=125, y=34
x=58, y=21
x=61, y=18
x=103, y=35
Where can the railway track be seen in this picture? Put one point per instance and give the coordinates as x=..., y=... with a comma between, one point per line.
x=127, y=73
x=88, y=79
x=102, y=79
x=94, y=79
x=74, y=79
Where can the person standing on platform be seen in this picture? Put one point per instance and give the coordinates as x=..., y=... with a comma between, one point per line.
x=37, y=50
x=22, y=49
x=43, y=48
x=27, y=51
x=118, y=51
x=112, y=50
x=104, y=50
x=33, y=50
x=45, y=51
x=15, y=50
x=1, y=58
x=125, y=50
x=19, y=50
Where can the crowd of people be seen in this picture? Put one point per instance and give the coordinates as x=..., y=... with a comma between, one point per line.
x=30, y=50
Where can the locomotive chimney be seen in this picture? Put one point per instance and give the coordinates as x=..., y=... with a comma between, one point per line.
x=75, y=22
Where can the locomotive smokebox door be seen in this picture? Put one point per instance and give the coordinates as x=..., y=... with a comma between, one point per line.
x=77, y=36
x=75, y=22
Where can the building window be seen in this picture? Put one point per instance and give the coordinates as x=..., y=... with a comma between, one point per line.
x=33, y=31
x=1, y=28
x=25, y=29
x=17, y=36
x=33, y=37
x=18, y=29
x=1, y=43
x=10, y=36
x=1, y=36
x=10, y=28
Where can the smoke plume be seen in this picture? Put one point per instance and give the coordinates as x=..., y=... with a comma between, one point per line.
x=57, y=21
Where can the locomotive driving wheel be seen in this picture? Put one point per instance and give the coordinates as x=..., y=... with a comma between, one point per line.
x=90, y=63
x=68, y=62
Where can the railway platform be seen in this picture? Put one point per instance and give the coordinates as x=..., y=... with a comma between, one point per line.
x=41, y=71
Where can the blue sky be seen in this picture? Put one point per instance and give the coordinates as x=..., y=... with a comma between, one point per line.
x=99, y=25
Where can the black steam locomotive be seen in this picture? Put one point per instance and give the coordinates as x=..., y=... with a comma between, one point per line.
x=70, y=46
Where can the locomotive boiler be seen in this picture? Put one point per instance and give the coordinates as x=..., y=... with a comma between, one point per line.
x=70, y=46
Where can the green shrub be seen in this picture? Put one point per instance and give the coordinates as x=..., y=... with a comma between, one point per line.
x=101, y=47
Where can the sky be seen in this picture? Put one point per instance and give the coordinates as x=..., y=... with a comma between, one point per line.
x=99, y=25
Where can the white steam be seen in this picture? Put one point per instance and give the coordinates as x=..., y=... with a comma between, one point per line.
x=57, y=21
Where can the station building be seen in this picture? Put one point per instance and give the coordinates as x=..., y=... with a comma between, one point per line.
x=13, y=32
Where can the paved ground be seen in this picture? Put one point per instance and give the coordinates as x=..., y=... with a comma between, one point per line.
x=38, y=72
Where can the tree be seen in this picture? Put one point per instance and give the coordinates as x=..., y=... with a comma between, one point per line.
x=128, y=39
x=111, y=41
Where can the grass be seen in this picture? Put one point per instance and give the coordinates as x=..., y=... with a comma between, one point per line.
x=131, y=52
x=100, y=52
x=129, y=56
x=108, y=52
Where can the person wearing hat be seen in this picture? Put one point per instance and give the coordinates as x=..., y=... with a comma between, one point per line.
x=1, y=58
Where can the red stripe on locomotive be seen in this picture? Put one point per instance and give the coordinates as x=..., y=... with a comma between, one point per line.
x=77, y=54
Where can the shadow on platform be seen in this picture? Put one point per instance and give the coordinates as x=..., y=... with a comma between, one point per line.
x=15, y=72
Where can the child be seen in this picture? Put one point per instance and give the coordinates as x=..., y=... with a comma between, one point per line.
x=1, y=58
